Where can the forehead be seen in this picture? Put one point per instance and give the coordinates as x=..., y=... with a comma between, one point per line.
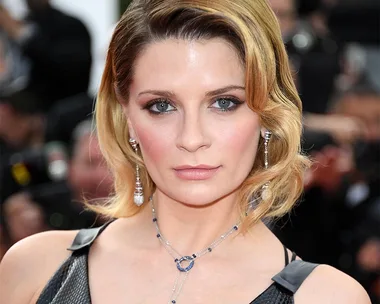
x=175, y=62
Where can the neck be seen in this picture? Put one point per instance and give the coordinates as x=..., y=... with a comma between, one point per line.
x=191, y=229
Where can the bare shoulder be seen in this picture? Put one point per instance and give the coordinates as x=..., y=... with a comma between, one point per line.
x=329, y=285
x=29, y=264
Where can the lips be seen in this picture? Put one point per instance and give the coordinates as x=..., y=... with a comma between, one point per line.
x=199, y=172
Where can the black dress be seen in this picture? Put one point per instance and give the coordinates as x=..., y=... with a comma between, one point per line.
x=69, y=285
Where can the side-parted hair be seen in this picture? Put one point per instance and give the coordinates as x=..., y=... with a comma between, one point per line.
x=252, y=29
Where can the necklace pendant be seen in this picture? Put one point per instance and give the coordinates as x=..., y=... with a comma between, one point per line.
x=189, y=260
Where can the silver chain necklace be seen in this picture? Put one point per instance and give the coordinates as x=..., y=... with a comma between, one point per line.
x=188, y=260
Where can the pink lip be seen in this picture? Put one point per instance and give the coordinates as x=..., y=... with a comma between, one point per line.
x=185, y=167
x=199, y=172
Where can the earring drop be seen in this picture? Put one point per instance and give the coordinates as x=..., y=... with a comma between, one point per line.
x=267, y=137
x=138, y=194
x=255, y=199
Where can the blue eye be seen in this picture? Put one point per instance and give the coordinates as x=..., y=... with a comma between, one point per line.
x=163, y=106
x=225, y=104
x=159, y=107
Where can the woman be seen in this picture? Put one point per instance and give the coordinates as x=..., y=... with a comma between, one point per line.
x=200, y=122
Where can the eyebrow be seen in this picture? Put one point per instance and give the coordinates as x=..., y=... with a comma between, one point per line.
x=170, y=94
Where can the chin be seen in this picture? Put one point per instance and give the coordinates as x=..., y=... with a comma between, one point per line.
x=199, y=196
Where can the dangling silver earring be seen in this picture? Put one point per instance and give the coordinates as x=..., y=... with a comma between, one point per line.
x=267, y=137
x=139, y=194
x=255, y=199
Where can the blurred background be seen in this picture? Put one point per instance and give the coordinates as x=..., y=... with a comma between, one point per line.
x=51, y=58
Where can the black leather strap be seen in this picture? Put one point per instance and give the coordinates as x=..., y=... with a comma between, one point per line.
x=85, y=237
x=294, y=256
x=293, y=275
x=286, y=256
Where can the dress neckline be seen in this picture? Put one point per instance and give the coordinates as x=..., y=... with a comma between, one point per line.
x=85, y=241
x=252, y=302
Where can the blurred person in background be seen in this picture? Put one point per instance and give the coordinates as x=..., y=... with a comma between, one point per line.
x=58, y=47
x=362, y=201
x=14, y=66
x=311, y=48
x=361, y=102
x=21, y=120
x=356, y=21
x=338, y=210
x=315, y=226
x=64, y=117
x=59, y=204
x=89, y=175
x=26, y=131
x=314, y=55
x=21, y=127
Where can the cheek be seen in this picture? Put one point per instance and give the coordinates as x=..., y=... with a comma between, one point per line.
x=155, y=142
x=233, y=140
x=240, y=139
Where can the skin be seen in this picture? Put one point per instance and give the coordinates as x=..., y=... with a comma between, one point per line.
x=89, y=176
x=194, y=133
x=366, y=109
x=236, y=271
x=24, y=217
x=286, y=13
x=20, y=130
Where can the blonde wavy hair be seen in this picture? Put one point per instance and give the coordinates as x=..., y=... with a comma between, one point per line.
x=252, y=29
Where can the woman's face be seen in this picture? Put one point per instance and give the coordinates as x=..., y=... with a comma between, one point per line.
x=188, y=112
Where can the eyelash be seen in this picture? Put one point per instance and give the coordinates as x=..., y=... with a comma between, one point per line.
x=236, y=103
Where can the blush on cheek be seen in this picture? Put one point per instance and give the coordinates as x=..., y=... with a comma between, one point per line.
x=154, y=144
x=242, y=139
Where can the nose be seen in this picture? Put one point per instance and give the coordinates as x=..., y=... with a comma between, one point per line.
x=192, y=133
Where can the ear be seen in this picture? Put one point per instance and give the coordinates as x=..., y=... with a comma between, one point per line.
x=263, y=130
x=132, y=133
